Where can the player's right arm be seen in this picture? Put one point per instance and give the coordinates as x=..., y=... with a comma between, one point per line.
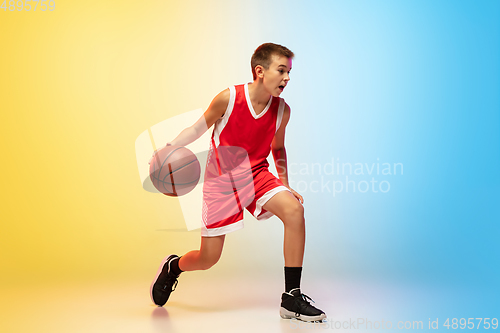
x=214, y=112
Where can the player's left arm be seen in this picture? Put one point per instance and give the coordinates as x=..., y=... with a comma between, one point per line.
x=279, y=153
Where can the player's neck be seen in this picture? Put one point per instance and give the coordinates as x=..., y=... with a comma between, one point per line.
x=257, y=93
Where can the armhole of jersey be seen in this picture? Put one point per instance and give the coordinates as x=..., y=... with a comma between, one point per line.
x=281, y=109
x=225, y=118
x=230, y=105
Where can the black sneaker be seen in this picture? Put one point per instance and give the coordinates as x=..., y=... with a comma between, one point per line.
x=164, y=283
x=294, y=304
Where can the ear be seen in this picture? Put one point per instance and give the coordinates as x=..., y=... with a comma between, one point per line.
x=259, y=71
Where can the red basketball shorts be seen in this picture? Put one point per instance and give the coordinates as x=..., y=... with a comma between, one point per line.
x=225, y=197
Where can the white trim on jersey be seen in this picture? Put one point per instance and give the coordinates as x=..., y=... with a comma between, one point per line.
x=249, y=103
x=281, y=109
x=222, y=122
x=265, y=198
x=212, y=232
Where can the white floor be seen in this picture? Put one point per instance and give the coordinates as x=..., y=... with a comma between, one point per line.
x=229, y=304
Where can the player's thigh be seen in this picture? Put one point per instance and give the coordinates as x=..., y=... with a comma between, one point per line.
x=212, y=246
x=284, y=204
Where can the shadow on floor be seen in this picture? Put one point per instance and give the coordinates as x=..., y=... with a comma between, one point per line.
x=161, y=320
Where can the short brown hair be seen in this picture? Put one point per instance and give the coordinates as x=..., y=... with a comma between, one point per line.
x=263, y=55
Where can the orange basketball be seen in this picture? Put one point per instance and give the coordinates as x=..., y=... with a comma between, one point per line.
x=174, y=170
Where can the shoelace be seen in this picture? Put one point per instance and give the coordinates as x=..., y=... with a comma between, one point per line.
x=302, y=298
x=169, y=279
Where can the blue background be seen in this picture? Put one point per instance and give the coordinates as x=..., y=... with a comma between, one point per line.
x=411, y=82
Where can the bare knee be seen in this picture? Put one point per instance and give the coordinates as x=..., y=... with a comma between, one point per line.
x=209, y=261
x=210, y=251
x=293, y=215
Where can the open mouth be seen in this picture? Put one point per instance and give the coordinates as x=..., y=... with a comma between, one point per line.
x=282, y=87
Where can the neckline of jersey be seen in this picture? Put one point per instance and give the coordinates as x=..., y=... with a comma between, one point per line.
x=249, y=103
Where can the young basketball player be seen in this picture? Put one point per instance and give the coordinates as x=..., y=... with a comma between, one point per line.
x=253, y=118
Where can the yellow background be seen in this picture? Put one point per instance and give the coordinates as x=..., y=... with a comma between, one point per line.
x=78, y=85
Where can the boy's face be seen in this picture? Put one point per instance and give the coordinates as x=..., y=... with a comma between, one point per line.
x=277, y=76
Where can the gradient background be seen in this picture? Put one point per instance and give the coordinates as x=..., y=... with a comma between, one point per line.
x=411, y=82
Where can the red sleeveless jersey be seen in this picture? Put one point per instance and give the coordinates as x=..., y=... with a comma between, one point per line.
x=241, y=127
x=237, y=174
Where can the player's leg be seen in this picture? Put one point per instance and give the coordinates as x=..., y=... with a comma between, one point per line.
x=204, y=258
x=291, y=212
x=172, y=266
x=294, y=304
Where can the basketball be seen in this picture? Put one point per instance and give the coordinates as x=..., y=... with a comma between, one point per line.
x=174, y=170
